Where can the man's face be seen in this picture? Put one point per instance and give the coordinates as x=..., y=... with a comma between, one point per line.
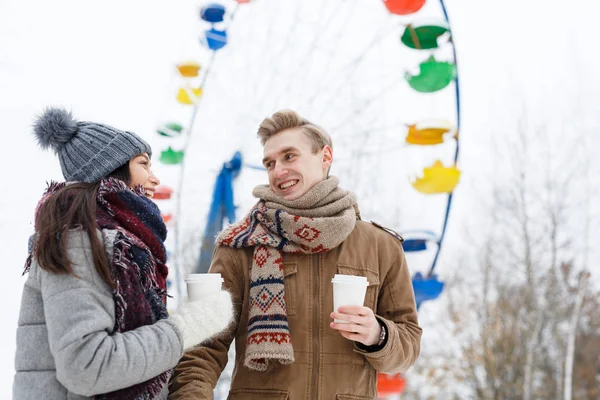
x=292, y=166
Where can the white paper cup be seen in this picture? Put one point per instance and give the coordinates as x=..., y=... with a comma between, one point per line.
x=348, y=290
x=199, y=285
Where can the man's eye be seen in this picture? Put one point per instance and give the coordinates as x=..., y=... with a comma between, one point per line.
x=289, y=156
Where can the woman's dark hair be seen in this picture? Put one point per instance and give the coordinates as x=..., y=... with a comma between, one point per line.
x=72, y=207
x=122, y=173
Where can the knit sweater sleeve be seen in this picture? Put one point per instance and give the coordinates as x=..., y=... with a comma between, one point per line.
x=90, y=358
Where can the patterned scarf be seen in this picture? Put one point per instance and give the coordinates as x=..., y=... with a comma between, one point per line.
x=134, y=225
x=318, y=221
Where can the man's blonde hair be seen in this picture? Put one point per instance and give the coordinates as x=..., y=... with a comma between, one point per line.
x=288, y=119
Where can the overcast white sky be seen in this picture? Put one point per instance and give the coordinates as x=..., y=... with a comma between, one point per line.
x=113, y=62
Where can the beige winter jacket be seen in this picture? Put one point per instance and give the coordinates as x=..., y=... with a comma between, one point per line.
x=327, y=366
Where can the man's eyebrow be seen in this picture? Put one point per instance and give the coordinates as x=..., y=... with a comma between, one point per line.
x=287, y=149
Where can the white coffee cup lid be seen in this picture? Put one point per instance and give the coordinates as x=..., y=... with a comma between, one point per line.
x=351, y=279
x=204, y=277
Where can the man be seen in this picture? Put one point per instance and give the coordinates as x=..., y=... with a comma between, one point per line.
x=278, y=264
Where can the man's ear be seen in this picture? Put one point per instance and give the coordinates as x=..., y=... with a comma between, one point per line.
x=327, y=156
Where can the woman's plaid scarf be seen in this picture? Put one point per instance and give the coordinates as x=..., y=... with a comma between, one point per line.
x=318, y=221
x=138, y=257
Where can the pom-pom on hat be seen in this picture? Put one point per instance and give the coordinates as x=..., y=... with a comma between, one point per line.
x=87, y=151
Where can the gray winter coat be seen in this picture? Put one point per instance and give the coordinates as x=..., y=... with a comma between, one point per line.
x=66, y=347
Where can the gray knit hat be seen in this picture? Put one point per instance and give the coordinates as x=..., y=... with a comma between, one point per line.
x=87, y=151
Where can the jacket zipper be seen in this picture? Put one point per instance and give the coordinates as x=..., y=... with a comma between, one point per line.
x=315, y=370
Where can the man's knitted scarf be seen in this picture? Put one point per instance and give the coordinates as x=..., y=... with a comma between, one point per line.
x=316, y=222
x=134, y=225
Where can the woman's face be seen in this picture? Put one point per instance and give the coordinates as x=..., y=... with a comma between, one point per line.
x=141, y=174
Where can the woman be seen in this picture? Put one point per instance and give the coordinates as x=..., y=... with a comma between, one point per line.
x=93, y=321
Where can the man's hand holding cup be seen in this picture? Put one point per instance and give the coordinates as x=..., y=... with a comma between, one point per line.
x=354, y=321
x=357, y=323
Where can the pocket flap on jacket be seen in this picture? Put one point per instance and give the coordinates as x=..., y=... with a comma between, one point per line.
x=372, y=276
x=258, y=394
x=290, y=268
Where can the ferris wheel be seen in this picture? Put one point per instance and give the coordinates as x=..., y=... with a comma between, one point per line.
x=380, y=77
